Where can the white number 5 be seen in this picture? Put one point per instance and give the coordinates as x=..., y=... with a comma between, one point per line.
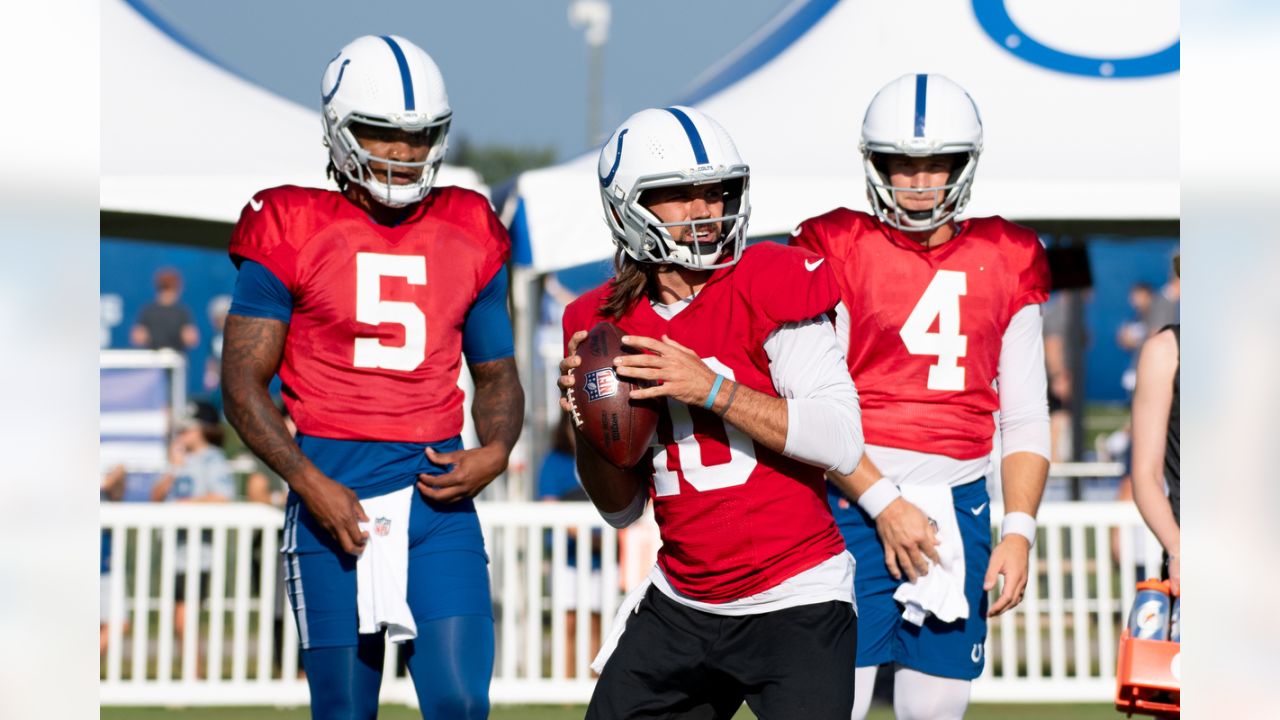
x=371, y=309
x=940, y=300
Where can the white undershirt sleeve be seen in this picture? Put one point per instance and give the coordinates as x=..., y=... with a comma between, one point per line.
x=1023, y=387
x=824, y=424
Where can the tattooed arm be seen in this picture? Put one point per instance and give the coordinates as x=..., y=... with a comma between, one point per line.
x=251, y=355
x=498, y=412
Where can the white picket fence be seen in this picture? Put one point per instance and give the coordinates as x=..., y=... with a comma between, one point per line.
x=1059, y=645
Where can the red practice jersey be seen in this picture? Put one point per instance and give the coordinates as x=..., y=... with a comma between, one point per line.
x=736, y=518
x=926, y=326
x=375, y=340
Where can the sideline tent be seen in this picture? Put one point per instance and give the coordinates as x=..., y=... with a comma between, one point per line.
x=1079, y=103
x=186, y=142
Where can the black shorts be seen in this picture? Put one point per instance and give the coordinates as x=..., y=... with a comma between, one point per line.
x=677, y=662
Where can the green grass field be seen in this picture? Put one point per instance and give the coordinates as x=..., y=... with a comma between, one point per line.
x=571, y=712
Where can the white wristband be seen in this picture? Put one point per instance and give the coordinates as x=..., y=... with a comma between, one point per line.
x=1019, y=523
x=878, y=497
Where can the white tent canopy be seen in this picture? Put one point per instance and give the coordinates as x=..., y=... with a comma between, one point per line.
x=183, y=137
x=1079, y=102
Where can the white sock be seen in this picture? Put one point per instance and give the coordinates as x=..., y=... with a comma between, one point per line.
x=864, y=684
x=920, y=696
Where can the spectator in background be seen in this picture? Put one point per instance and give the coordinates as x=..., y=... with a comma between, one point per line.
x=1134, y=331
x=1157, y=444
x=199, y=473
x=1165, y=306
x=218, y=308
x=166, y=322
x=558, y=481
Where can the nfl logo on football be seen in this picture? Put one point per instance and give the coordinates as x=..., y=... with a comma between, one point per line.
x=382, y=526
x=601, y=383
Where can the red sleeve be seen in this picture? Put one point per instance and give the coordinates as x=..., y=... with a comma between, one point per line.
x=498, y=243
x=583, y=313
x=787, y=284
x=1033, y=275
x=261, y=235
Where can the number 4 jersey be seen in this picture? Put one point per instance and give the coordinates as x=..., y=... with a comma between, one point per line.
x=375, y=338
x=736, y=518
x=925, y=325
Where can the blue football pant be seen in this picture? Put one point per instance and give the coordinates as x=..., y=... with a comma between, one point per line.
x=450, y=662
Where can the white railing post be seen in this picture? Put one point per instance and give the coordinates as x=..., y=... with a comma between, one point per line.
x=533, y=606
x=1057, y=604
x=559, y=652
x=164, y=635
x=1106, y=620
x=144, y=536
x=217, y=604
x=1080, y=603
x=115, y=593
x=240, y=612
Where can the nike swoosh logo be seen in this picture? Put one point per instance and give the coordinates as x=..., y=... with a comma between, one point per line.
x=978, y=509
x=797, y=231
x=255, y=203
x=812, y=265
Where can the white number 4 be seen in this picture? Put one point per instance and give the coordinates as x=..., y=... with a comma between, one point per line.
x=371, y=309
x=940, y=300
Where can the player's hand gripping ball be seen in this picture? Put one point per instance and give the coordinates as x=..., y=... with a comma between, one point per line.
x=619, y=428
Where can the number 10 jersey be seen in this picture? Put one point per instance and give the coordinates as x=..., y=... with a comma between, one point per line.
x=736, y=518
x=926, y=325
x=375, y=340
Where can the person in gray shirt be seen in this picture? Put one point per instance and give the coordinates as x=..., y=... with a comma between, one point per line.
x=200, y=473
x=166, y=322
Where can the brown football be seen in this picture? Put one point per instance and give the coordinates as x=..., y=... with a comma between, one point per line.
x=619, y=428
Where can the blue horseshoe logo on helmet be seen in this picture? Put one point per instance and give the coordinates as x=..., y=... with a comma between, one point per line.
x=994, y=18
x=341, y=69
x=606, y=179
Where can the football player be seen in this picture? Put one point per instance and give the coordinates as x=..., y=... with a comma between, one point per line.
x=364, y=301
x=942, y=323
x=751, y=595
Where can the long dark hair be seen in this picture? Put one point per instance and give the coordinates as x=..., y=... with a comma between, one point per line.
x=338, y=177
x=632, y=280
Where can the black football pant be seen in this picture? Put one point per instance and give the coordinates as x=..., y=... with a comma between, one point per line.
x=677, y=662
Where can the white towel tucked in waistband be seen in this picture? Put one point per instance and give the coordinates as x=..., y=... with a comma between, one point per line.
x=939, y=592
x=382, y=572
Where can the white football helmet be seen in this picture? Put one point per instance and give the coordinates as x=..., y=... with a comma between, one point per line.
x=389, y=82
x=920, y=115
x=662, y=147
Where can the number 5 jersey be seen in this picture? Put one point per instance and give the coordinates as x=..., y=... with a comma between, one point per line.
x=925, y=325
x=376, y=334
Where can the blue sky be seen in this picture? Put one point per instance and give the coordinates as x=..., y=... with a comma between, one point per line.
x=515, y=69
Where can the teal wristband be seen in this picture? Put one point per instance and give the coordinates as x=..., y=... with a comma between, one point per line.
x=715, y=389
